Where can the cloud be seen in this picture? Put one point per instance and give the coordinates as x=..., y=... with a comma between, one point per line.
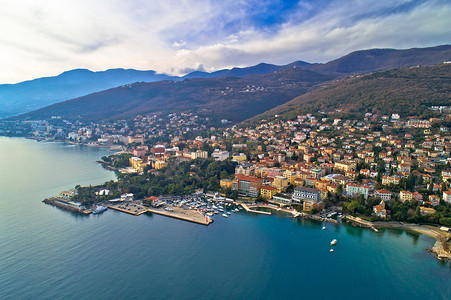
x=42, y=38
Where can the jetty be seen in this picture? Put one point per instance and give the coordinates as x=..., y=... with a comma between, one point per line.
x=66, y=205
x=360, y=222
x=189, y=215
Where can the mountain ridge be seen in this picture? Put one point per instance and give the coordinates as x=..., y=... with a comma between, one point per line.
x=406, y=91
x=357, y=62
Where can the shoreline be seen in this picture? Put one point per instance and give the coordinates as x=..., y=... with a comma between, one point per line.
x=441, y=248
x=108, y=146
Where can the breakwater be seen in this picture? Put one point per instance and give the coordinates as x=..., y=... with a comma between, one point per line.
x=66, y=206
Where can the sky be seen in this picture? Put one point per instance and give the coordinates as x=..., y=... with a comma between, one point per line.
x=45, y=38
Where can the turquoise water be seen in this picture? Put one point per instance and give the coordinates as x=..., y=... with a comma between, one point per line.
x=47, y=253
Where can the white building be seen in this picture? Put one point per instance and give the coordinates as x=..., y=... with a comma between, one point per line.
x=220, y=155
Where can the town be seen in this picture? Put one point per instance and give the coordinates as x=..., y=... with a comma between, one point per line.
x=382, y=167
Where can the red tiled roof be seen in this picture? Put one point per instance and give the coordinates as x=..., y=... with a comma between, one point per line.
x=247, y=178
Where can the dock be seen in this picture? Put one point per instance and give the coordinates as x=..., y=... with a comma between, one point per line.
x=189, y=215
x=132, y=210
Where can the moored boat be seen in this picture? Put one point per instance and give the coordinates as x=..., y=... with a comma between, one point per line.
x=334, y=242
x=99, y=209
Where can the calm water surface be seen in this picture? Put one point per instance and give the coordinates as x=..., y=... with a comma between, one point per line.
x=47, y=253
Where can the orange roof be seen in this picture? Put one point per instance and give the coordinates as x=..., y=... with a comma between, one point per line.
x=247, y=178
x=383, y=191
x=269, y=187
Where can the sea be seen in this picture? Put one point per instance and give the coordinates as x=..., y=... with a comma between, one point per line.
x=48, y=253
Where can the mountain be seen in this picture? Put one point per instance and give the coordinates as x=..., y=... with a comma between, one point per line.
x=37, y=93
x=261, y=68
x=34, y=94
x=30, y=95
x=231, y=98
x=407, y=91
x=365, y=61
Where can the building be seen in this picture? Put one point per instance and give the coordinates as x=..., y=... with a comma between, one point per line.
x=139, y=152
x=245, y=169
x=386, y=180
x=68, y=195
x=316, y=173
x=425, y=211
x=447, y=196
x=220, y=155
x=434, y=200
x=239, y=157
x=199, y=154
x=225, y=183
x=383, y=194
x=248, y=186
x=159, y=164
x=404, y=168
x=353, y=190
x=127, y=197
x=310, y=205
x=344, y=166
x=136, y=139
x=305, y=193
x=280, y=182
x=137, y=163
x=379, y=210
x=280, y=200
x=291, y=176
x=268, y=191
x=405, y=196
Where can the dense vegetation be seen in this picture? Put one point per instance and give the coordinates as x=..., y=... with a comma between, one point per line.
x=176, y=179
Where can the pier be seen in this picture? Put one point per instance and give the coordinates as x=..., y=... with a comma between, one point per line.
x=132, y=210
x=360, y=222
x=189, y=215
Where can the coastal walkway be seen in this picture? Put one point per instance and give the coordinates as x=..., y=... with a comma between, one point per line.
x=248, y=209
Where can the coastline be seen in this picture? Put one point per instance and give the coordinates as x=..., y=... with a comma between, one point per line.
x=108, y=146
x=441, y=249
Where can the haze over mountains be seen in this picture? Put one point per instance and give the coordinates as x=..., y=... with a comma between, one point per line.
x=268, y=86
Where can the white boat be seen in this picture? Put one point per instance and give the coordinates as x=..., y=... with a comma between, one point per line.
x=334, y=242
x=324, y=227
x=229, y=213
x=99, y=209
x=331, y=250
x=225, y=216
